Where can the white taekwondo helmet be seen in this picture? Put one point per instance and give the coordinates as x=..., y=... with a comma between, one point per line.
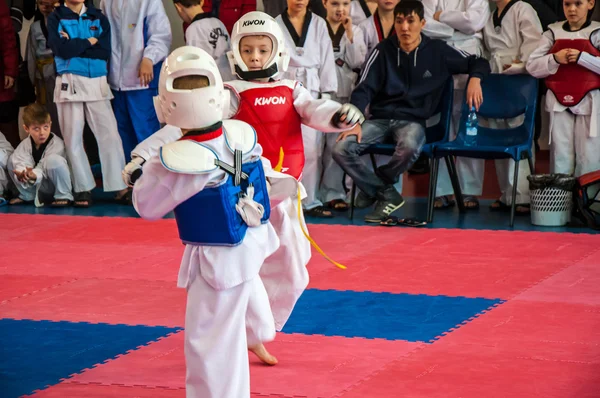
x=190, y=109
x=258, y=23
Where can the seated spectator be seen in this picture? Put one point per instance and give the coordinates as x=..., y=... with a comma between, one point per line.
x=5, y=151
x=38, y=166
x=403, y=83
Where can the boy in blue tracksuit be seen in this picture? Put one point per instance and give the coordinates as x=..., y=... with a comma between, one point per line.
x=79, y=37
x=141, y=40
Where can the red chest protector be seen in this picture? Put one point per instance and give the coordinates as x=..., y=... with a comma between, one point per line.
x=571, y=83
x=269, y=108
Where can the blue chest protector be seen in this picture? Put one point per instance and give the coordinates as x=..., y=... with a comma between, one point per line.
x=209, y=218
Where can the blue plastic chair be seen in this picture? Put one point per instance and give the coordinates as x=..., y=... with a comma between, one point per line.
x=435, y=134
x=504, y=97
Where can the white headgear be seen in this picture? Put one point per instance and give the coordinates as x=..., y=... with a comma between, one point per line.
x=258, y=23
x=190, y=109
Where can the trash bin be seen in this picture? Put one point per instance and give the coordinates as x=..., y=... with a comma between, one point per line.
x=551, y=199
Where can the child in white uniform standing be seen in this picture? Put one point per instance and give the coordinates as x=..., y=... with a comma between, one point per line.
x=205, y=32
x=80, y=40
x=460, y=23
x=349, y=50
x=568, y=57
x=213, y=176
x=312, y=64
x=511, y=35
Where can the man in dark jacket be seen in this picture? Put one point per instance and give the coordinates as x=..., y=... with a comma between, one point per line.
x=403, y=81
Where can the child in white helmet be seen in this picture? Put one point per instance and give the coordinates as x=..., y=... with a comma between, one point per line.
x=276, y=109
x=214, y=181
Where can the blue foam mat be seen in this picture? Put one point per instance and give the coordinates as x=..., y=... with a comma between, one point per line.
x=416, y=318
x=35, y=354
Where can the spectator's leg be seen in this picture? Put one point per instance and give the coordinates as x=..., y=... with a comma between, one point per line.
x=72, y=120
x=311, y=175
x=140, y=104
x=120, y=106
x=347, y=154
x=562, y=145
x=587, y=149
x=102, y=121
x=57, y=172
x=410, y=138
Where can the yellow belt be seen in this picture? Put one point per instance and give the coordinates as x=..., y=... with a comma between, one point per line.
x=311, y=240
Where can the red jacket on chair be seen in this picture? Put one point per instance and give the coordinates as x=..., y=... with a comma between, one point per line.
x=9, y=64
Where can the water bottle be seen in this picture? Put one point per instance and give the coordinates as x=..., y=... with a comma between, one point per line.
x=471, y=136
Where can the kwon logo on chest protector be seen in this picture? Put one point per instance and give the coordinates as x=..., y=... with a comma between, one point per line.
x=269, y=101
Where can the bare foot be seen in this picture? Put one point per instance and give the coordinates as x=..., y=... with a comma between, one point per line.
x=261, y=352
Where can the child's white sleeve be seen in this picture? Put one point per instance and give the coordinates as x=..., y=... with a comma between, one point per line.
x=589, y=61
x=327, y=73
x=5, y=151
x=530, y=30
x=470, y=21
x=159, y=32
x=315, y=113
x=356, y=52
x=30, y=57
x=158, y=191
x=433, y=28
x=540, y=63
x=21, y=159
x=150, y=146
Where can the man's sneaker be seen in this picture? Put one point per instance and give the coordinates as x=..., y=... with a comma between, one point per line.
x=363, y=200
x=389, y=201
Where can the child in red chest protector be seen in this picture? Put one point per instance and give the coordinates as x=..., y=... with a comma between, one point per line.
x=276, y=109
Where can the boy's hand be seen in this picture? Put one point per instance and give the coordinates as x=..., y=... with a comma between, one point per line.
x=347, y=24
x=474, y=94
x=64, y=34
x=146, y=72
x=8, y=82
x=356, y=130
x=30, y=175
x=573, y=55
x=562, y=57
x=92, y=40
x=437, y=14
x=20, y=175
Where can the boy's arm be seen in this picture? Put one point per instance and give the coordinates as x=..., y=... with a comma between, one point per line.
x=102, y=49
x=5, y=151
x=327, y=73
x=470, y=21
x=435, y=29
x=460, y=62
x=159, y=32
x=589, y=61
x=372, y=79
x=21, y=159
x=357, y=50
x=540, y=63
x=61, y=46
x=158, y=191
x=530, y=30
x=315, y=113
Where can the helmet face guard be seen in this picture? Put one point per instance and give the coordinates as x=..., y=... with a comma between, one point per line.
x=258, y=24
x=194, y=108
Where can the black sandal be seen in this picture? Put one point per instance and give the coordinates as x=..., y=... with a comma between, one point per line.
x=500, y=206
x=392, y=221
x=319, y=212
x=446, y=202
x=337, y=205
x=82, y=199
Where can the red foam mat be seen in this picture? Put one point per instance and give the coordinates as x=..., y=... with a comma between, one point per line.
x=495, y=264
x=75, y=390
x=578, y=284
x=15, y=286
x=309, y=366
x=109, y=301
